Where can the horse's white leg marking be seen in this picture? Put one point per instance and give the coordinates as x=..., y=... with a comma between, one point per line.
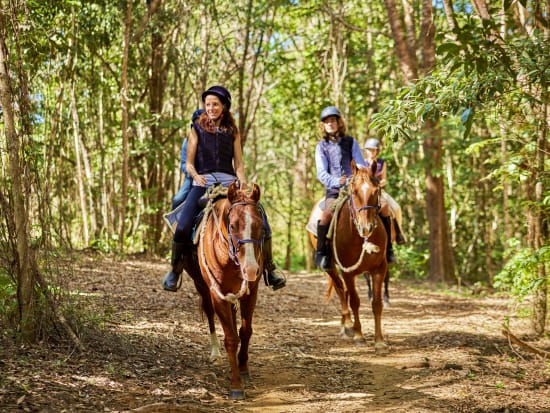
x=214, y=347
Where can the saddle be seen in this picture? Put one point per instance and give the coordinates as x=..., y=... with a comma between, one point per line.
x=311, y=226
x=207, y=201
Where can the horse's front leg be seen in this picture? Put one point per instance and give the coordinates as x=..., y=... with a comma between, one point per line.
x=346, y=325
x=245, y=332
x=354, y=302
x=378, y=278
x=193, y=270
x=226, y=314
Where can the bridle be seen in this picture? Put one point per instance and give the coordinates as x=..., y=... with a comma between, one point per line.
x=234, y=244
x=367, y=247
x=354, y=211
x=234, y=241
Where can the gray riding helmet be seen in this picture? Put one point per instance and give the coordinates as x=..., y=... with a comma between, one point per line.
x=330, y=111
x=372, y=143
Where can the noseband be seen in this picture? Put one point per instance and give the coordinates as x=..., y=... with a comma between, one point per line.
x=234, y=241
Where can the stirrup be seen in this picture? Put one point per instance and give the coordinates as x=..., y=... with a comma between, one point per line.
x=273, y=280
x=170, y=281
x=323, y=261
x=390, y=257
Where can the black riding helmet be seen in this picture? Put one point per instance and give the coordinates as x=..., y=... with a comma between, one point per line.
x=220, y=92
x=330, y=111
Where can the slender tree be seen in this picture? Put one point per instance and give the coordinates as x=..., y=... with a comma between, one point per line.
x=24, y=267
x=124, y=110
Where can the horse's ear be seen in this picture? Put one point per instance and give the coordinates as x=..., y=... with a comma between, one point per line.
x=373, y=168
x=255, y=195
x=353, y=167
x=232, y=191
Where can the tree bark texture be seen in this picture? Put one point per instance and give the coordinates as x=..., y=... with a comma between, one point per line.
x=540, y=234
x=406, y=57
x=25, y=280
x=124, y=110
x=156, y=171
x=441, y=265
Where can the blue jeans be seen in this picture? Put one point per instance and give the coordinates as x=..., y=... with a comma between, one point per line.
x=187, y=215
x=182, y=192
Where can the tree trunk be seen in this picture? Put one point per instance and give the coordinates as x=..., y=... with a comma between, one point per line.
x=441, y=256
x=124, y=108
x=26, y=283
x=79, y=173
x=406, y=57
x=540, y=294
x=156, y=160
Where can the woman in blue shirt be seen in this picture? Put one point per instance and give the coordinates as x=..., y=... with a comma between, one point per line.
x=333, y=156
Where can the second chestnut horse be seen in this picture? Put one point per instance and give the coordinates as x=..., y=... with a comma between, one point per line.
x=358, y=246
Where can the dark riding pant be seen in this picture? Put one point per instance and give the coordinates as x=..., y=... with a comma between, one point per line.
x=187, y=215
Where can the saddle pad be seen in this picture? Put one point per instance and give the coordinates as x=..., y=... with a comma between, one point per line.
x=171, y=218
x=311, y=226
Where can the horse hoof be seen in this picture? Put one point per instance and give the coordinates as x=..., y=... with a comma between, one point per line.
x=245, y=377
x=386, y=304
x=236, y=394
x=381, y=348
x=349, y=332
x=359, y=340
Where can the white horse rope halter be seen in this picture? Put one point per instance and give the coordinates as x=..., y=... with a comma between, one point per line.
x=368, y=247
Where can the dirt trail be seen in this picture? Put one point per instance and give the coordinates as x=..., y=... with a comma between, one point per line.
x=447, y=354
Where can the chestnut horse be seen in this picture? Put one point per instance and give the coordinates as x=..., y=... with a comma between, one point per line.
x=358, y=246
x=230, y=260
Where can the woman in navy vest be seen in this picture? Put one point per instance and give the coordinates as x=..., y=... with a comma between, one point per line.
x=214, y=156
x=333, y=155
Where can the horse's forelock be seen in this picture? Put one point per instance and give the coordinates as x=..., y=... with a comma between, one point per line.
x=368, y=174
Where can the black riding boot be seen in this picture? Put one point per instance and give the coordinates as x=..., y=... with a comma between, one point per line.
x=273, y=277
x=399, y=238
x=171, y=278
x=322, y=255
x=390, y=257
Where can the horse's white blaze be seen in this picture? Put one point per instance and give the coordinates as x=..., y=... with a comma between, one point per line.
x=365, y=188
x=362, y=225
x=249, y=255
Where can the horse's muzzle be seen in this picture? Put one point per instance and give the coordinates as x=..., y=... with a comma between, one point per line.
x=365, y=231
x=250, y=272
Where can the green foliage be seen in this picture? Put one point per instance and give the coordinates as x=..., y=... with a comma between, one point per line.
x=412, y=263
x=520, y=273
x=8, y=301
x=302, y=55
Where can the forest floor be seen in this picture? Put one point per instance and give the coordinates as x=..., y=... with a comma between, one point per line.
x=447, y=352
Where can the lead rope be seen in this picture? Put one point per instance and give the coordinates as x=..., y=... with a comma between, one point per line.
x=368, y=247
